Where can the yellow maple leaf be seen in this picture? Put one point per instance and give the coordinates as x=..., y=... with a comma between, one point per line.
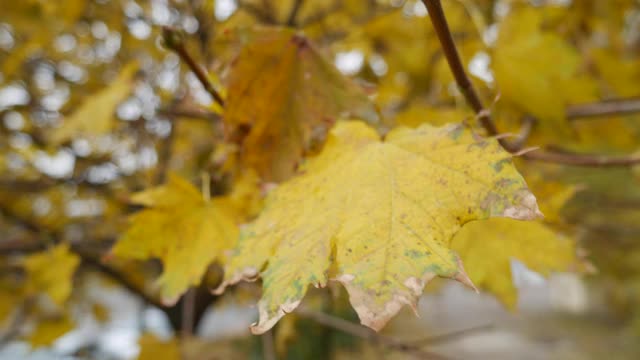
x=621, y=74
x=48, y=330
x=51, y=272
x=95, y=116
x=182, y=229
x=284, y=94
x=487, y=248
x=152, y=348
x=9, y=302
x=538, y=70
x=377, y=217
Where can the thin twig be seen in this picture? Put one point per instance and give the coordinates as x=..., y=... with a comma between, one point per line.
x=291, y=19
x=264, y=15
x=188, y=310
x=189, y=113
x=438, y=19
x=450, y=336
x=367, y=334
x=173, y=39
x=586, y=160
x=603, y=108
x=525, y=130
x=205, y=28
x=118, y=277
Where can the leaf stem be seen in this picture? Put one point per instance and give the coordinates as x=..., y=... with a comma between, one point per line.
x=174, y=41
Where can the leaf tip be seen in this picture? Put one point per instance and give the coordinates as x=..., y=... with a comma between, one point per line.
x=266, y=320
x=462, y=277
x=525, y=208
x=248, y=273
x=375, y=315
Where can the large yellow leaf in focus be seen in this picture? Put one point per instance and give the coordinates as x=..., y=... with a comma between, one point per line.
x=283, y=94
x=180, y=228
x=487, y=248
x=538, y=70
x=51, y=272
x=95, y=116
x=377, y=217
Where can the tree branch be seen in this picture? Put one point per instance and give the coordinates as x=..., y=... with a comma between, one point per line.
x=118, y=277
x=189, y=113
x=174, y=41
x=205, y=28
x=451, y=336
x=268, y=346
x=262, y=14
x=291, y=19
x=87, y=258
x=586, y=160
x=603, y=108
x=188, y=311
x=438, y=19
x=525, y=130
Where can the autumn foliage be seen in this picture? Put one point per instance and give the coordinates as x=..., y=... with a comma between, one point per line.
x=180, y=150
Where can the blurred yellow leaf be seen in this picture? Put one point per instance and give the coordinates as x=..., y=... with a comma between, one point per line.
x=27, y=19
x=538, y=70
x=51, y=272
x=282, y=95
x=152, y=348
x=95, y=116
x=246, y=196
x=377, y=217
x=9, y=301
x=182, y=229
x=621, y=75
x=50, y=329
x=487, y=248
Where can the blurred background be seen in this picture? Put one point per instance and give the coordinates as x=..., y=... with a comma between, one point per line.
x=96, y=105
